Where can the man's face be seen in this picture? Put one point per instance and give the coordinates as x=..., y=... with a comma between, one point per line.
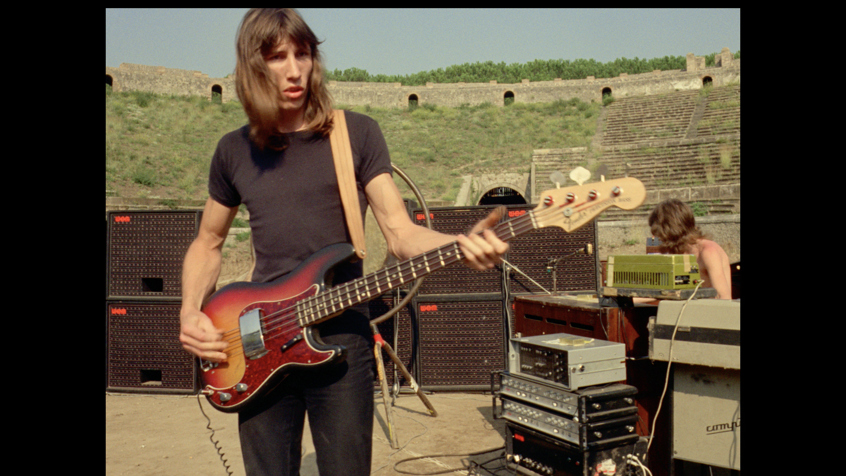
x=291, y=64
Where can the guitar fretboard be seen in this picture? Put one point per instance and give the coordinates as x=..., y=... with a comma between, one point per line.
x=321, y=306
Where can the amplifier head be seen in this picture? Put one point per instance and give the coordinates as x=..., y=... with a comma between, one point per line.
x=653, y=271
x=569, y=360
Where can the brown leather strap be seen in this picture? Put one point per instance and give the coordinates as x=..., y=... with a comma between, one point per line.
x=339, y=139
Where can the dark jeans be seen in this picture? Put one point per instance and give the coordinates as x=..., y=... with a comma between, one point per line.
x=338, y=399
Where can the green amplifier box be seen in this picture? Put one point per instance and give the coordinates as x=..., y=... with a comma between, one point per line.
x=652, y=271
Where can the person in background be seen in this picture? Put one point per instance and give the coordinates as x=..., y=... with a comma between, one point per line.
x=673, y=223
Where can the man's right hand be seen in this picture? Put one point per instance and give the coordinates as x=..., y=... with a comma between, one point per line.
x=199, y=336
x=200, y=271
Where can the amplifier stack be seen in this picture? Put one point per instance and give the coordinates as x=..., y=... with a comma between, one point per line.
x=566, y=412
x=144, y=253
x=463, y=316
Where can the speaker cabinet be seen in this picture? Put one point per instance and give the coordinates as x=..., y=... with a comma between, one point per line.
x=534, y=253
x=144, y=353
x=461, y=342
x=458, y=279
x=546, y=255
x=145, y=250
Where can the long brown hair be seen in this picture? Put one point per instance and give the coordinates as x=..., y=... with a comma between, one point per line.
x=673, y=223
x=262, y=30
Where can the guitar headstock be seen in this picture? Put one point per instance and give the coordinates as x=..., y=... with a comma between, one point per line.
x=572, y=207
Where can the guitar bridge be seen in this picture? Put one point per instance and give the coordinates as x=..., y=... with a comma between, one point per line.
x=252, y=338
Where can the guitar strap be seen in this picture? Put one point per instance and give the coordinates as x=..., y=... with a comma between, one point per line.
x=339, y=139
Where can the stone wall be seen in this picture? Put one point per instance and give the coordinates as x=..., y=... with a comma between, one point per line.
x=587, y=90
x=161, y=80
x=157, y=79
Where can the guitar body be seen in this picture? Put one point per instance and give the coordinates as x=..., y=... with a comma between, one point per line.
x=241, y=379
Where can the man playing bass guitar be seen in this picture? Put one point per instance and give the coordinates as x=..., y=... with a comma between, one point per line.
x=280, y=166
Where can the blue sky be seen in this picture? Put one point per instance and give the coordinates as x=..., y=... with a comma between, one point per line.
x=407, y=41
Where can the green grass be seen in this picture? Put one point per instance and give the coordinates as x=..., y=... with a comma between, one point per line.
x=161, y=145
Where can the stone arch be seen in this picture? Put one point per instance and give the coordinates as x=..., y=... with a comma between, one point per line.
x=707, y=81
x=502, y=195
x=217, y=93
x=606, y=91
x=413, y=100
x=110, y=80
x=508, y=98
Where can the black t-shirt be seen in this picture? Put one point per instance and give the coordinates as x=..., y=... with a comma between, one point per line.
x=292, y=195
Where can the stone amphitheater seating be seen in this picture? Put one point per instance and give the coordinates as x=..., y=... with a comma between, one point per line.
x=681, y=139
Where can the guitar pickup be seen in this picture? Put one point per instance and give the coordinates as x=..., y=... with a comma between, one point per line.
x=252, y=338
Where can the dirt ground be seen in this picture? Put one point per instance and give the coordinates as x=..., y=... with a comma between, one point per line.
x=167, y=435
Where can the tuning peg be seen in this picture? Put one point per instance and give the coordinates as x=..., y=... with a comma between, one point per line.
x=557, y=178
x=580, y=175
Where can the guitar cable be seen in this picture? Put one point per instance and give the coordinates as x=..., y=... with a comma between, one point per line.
x=467, y=466
x=669, y=366
x=216, y=443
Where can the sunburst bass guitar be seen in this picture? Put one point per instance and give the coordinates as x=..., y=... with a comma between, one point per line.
x=268, y=326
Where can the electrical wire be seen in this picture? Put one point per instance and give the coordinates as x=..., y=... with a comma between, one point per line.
x=466, y=467
x=211, y=438
x=669, y=366
x=639, y=464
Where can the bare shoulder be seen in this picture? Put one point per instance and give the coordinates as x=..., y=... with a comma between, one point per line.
x=711, y=254
x=711, y=247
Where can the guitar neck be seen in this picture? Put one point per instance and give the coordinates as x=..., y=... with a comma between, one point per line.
x=324, y=305
x=568, y=208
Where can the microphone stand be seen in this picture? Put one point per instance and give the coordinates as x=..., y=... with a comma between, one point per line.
x=553, y=263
